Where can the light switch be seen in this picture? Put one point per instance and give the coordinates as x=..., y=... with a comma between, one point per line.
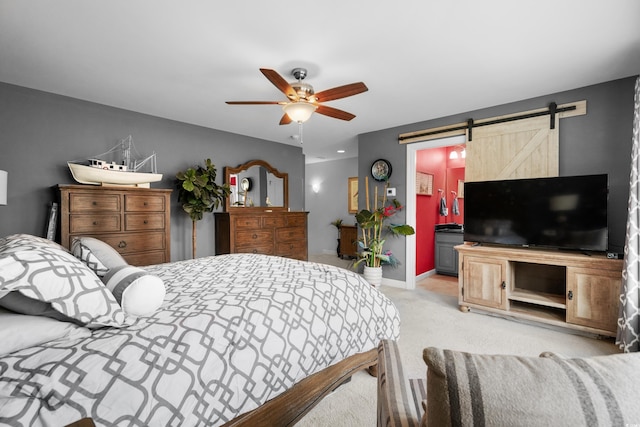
x=391, y=192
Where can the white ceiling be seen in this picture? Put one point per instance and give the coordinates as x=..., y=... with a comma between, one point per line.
x=421, y=59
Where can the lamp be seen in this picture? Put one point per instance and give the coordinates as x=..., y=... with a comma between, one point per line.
x=453, y=154
x=299, y=111
x=3, y=187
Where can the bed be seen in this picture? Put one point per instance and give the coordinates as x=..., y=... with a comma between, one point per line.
x=237, y=339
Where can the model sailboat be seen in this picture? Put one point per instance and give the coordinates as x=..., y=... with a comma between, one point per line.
x=123, y=170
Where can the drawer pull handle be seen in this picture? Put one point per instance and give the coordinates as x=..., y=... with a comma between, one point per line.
x=95, y=222
x=145, y=221
x=122, y=244
x=255, y=236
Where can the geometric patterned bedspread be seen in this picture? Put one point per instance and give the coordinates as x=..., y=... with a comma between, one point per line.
x=233, y=332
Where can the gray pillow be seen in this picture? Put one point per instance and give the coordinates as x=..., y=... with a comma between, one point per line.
x=465, y=389
x=96, y=254
x=18, y=303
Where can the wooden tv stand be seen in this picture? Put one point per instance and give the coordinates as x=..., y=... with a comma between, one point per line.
x=568, y=289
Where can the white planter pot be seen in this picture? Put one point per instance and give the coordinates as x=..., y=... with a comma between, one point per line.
x=373, y=275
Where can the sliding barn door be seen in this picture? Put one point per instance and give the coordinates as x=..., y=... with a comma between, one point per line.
x=525, y=148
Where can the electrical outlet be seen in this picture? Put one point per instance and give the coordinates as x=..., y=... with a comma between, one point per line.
x=391, y=192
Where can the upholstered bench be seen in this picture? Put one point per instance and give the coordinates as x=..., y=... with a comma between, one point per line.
x=465, y=389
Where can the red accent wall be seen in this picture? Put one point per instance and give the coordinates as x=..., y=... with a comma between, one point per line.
x=446, y=173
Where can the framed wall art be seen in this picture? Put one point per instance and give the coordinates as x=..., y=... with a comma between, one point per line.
x=352, y=191
x=424, y=183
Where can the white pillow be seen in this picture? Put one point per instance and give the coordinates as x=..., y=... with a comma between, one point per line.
x=41, y=270
x=19, y=331
x=138, y=292
x=96, y=254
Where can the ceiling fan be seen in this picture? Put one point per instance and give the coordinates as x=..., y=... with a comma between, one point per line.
x=303, y=101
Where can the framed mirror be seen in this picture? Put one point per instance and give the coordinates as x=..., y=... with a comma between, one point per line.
x=257, y=185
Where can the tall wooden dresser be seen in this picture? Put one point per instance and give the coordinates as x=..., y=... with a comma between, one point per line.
x=258, y=231
x=135, y=221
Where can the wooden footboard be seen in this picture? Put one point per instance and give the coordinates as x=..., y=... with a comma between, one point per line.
x=288, y=408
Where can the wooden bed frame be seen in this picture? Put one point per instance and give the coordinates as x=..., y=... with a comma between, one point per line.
x=288, y=408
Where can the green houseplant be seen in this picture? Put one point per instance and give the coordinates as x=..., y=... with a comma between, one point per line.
x=198, y=193
x=375, y=225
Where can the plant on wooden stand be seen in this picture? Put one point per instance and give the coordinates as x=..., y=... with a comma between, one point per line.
x=198, y=193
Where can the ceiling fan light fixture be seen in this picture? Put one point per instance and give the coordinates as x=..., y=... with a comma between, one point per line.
x=299, y=111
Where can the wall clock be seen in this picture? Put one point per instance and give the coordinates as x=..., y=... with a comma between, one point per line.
x=245, y=184
x=381, y=170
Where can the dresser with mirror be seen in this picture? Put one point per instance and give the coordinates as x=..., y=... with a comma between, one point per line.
x=256, y=218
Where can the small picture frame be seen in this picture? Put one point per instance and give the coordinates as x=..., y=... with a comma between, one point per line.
x=424, y=184
x=352, y=190
x=381, y=170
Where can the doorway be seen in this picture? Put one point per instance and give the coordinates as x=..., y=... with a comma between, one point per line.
x=411, y=204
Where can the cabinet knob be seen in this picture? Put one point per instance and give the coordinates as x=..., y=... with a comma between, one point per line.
x=122, y=244
x=145, y=203
x=255, y=236
x=503, y=285
x=95, y=222
x=145, y=221
x=570, y=295
x=255, y=251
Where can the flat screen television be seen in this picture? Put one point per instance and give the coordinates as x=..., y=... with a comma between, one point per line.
x=561, y=212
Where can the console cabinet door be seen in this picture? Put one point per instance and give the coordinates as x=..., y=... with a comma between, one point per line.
x=484, y=281
x=592, y=297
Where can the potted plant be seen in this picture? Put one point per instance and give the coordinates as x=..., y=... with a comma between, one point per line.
x=374, y=226
x=198, y=193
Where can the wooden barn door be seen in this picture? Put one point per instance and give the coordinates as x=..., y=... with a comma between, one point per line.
x=525, y=148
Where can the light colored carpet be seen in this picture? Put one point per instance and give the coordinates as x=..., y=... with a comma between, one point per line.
x=433, y=319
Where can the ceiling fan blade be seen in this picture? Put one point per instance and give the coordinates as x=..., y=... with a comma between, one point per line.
x=341, y=92
x=334, y=112
x=285, y=120
x=279, y=82
x=254, y=102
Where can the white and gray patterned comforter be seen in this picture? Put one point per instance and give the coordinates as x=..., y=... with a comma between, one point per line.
x=234, y=331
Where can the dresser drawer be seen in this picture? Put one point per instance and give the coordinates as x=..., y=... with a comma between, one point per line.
x=292, y=249
x=271, y=221
x=139, y=222
x=249, y=222
x=135, y=242
x=297, y=220
x=79, y=203
x=147, y=203
x=261, y=248
x=290, y=234
x=145, y=258
x=94, y=223
x=254, y=237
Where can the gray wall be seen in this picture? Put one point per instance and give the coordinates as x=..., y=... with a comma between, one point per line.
x=329, y=204
x=40, y=131
x=598, y=142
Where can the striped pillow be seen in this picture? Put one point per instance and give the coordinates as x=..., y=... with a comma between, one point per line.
x=466, y=389
x=138, y=292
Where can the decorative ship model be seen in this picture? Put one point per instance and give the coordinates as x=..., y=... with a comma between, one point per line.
x=125, y=171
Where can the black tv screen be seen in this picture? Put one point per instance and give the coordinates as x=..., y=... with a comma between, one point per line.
x=561, y=212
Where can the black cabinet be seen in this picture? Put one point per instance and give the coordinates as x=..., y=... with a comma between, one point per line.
x=446, y=256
